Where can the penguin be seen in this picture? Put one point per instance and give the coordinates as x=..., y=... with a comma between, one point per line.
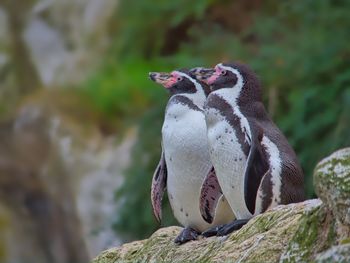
x=255, y=166
x=185, y=161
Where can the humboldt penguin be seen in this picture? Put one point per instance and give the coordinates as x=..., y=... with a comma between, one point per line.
x=185, y=160
x=255, y=166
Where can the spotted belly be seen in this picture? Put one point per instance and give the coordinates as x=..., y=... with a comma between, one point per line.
x=229, y=162
x=188, y=162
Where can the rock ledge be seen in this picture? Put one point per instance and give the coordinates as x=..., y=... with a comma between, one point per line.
x=264, y=238
x=313, y=230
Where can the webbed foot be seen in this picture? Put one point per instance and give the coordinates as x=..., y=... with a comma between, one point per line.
x=212, y=231
x=223, y=230
x=187, y=234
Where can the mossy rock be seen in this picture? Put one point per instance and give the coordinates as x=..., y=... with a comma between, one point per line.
x=339, y=254
x=332, y=184
x=302, y=232
x=264, y=239
x=316, y=233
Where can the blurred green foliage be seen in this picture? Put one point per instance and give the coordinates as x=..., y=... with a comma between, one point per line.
x=298, y=48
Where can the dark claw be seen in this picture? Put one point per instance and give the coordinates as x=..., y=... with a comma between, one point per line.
x=187, y=234
x=212, y=231
x=223, y=230
x=229, y=228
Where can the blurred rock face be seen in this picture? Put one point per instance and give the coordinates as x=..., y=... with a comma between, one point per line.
x=65, y=39
x=57, y=175
x=41, y=220
x=57, y=186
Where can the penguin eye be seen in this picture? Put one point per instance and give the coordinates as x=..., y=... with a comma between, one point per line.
x=223, y=73
x=179, y=78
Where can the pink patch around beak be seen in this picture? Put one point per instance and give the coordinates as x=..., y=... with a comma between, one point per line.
x=170, y=82
x=213, y=78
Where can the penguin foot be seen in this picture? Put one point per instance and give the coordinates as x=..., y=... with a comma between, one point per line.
x=212, y=231
x=187, y=234
x=223, y=230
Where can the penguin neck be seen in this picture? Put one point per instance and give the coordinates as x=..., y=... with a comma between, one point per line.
x=198, y=98
x=230, y=95
x=241, y=95
x=250, y=92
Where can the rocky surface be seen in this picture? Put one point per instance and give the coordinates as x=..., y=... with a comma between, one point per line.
x=59, y=168
x=339, y=254
x=62, y=59
x=309, y=231
x=332, y=183
x=263, y=239
x=60, y=175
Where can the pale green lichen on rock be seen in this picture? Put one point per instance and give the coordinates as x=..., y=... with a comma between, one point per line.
x=108, y=256
x=315, y=233
x=263, y=239
x=332, y=183
x=332, y=176
x=339, y=254
x=268, y=235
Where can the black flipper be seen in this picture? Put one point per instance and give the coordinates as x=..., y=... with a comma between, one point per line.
x=209, y=197
x=223, y=230
x=256, y=167
x=158, y=187
x=266, y=187
x=187, y=234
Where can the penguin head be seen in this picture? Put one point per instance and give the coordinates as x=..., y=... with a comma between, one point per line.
x=236, y=76
x=178, y=82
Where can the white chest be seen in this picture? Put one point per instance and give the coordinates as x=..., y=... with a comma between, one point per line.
x=228, y=159
x=188, y=162
x=185, y=141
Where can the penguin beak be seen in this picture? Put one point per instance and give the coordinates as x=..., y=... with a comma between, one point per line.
x=162, y=78
x=215, y=75
x=202, y=73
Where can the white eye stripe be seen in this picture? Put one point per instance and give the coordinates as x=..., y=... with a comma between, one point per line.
x=182, y=74
x=199, y=97
x=198, y=86
x=240, y=81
